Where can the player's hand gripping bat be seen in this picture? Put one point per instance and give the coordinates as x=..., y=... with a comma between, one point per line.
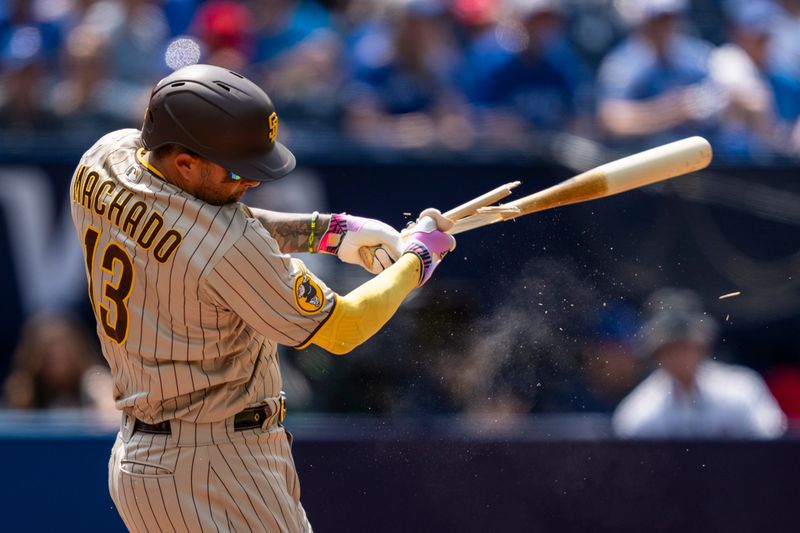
x=637, y=170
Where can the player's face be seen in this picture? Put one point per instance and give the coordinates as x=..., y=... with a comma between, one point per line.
x=218, y=186
x=681, y=359
x=208, y=181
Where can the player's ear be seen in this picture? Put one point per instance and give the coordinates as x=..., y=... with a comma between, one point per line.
x=187, y=165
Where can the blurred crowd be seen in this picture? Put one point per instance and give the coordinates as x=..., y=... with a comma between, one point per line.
x=452, y=75
x=657, y=370
x=57, y=365
x=434, y=74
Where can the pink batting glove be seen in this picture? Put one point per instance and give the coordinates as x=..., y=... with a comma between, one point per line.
x=427, y=242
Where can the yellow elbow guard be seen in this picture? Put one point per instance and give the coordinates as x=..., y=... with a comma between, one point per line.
x=358, y=315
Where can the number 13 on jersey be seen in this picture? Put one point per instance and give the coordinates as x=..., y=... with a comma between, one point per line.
x=113, y=260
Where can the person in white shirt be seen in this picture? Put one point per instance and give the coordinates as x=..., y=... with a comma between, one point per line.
x=689, y=394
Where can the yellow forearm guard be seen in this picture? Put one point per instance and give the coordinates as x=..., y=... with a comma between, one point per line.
x=358, y=315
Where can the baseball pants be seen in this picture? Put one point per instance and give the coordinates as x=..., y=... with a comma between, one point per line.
x=206, y=477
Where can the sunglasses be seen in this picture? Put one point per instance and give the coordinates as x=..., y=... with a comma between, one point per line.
x=233, y=177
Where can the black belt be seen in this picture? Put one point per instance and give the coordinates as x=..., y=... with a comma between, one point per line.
x=250, y=418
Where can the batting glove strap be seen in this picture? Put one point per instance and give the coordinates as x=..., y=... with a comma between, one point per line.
x=428, y=264
x=332, y=239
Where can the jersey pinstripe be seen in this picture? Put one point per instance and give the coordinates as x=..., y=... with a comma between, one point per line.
x=191, y=299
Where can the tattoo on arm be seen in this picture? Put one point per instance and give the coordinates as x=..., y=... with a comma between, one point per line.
x=291, y=231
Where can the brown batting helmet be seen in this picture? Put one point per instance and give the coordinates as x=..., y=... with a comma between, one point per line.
x=220, y=115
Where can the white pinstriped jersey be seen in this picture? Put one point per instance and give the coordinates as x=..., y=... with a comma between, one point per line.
x=190, y=298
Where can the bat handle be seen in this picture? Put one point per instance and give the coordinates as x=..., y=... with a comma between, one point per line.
x=442, y=222
x=367, y=255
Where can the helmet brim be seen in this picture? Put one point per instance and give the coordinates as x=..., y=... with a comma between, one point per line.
x=270, y=166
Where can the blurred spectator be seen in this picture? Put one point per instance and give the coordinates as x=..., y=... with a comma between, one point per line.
x=281, y=25
x=476, y=16
x=654, y=82
x=179, y=15
x=298, y=57
x=689, y=395
x=785, y=45
x=26, y=31
x=24, y=85
x=525, y=74
x=136, y=44
x=763, y=99
x=28, y=47
x=225, y=30
x=611, y=367
x=109, y=60
x=86, y=96
x=76, y=97
x=404, y=91
x=67, y=14
x=784, y=382
x=56, y=365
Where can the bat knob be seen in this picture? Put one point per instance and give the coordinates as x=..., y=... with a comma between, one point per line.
x=367, y=254
x=442, y=222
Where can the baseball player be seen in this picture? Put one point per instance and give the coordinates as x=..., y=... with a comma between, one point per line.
x=192, y=292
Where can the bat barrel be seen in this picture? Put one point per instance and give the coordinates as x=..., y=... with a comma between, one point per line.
x=637, y=170
x=657, y=164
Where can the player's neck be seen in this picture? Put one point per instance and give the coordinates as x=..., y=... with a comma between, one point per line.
x=163, y=169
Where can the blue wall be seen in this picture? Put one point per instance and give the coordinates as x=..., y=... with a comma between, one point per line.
x=419, y=477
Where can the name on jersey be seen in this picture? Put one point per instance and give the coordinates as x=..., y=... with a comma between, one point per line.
x=113, y=202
